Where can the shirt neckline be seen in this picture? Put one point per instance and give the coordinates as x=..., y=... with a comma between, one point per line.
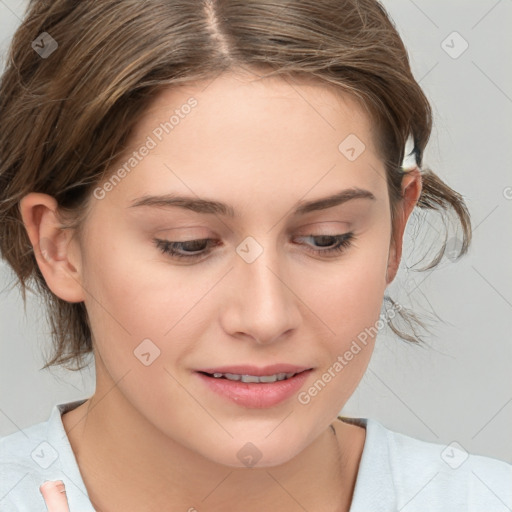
x=373, y=488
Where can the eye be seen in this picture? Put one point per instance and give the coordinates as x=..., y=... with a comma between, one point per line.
x=193, y=249
x=341, y=243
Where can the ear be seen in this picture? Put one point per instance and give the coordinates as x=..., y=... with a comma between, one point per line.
x=57, y=252
x=411, y=191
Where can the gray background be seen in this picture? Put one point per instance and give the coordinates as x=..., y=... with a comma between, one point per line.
x=459, y=389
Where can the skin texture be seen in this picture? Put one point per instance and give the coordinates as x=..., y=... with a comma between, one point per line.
x=260, y=146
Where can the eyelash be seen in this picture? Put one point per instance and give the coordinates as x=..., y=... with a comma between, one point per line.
x=344, y=241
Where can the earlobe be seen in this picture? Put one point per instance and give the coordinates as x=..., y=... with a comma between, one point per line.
x=411, y=191
x=57, y=254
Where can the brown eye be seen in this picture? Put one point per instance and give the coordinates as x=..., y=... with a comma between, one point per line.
x=342, y=242
x=189, y=249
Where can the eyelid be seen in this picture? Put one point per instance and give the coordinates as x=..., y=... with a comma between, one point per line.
x=321, y=226
x=201, y=229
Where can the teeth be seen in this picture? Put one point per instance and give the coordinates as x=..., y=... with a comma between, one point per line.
x=254, y=378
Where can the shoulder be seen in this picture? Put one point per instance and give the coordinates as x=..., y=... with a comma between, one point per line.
x=437, y=474
x=400, y=472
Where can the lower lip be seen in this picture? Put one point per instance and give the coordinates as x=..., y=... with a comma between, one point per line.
x=257, y=395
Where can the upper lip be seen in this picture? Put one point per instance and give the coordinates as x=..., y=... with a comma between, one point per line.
x=245, y=369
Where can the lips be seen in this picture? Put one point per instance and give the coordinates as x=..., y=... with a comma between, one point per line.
x=255, y=387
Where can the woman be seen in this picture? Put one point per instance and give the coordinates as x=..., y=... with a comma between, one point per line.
x=212, y=197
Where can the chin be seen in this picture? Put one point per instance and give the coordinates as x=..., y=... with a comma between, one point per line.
x=255, y=455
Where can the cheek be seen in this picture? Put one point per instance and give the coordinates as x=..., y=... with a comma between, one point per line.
x=142, y=310
x=348, y=294
x=348, y=300
x=135, y=317
x=132, y=291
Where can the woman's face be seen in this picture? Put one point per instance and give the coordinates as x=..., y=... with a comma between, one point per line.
x=257, y=293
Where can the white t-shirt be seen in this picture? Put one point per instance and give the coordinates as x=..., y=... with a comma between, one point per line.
x=396, y=472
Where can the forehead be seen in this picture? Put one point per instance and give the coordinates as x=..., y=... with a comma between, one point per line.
x=251, y=102
x=240, y=137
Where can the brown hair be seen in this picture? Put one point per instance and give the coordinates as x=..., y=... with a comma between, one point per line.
x=67, y=117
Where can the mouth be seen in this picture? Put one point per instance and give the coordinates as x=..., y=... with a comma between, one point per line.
x=252, y=378
x=253, y=387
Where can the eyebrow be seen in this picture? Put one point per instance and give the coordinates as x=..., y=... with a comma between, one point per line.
x=208, y=206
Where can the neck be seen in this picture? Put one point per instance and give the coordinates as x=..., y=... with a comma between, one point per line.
x=128, y=464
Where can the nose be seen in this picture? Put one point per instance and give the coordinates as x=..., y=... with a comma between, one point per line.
x=262, y=305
